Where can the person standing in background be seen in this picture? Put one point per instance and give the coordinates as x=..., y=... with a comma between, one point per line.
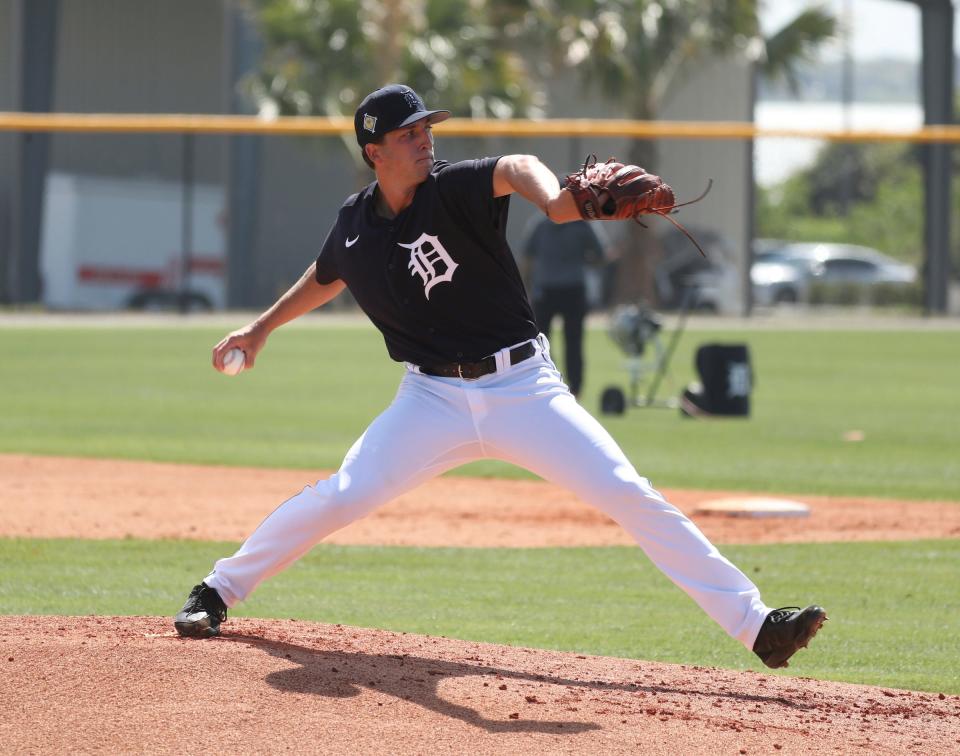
x=556, y=262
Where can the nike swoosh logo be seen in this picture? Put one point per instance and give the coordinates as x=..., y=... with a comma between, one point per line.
x=351, y=242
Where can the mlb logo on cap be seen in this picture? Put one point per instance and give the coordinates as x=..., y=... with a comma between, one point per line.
x=391, y=107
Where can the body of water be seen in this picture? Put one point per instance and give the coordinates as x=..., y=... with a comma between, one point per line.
x=776, y=159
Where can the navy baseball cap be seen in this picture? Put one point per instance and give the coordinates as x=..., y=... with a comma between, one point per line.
x=391, y=107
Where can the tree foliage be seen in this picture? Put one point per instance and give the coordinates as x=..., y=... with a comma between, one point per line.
x=885, y=195
x=882, y=185
x=796, y=43
x=848, y=174
x=637, y=51
x=323, y=56
x=491, y=57
x=480, y=57
x=870, y=194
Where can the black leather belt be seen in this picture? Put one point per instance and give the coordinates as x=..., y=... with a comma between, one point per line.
x=473, y=370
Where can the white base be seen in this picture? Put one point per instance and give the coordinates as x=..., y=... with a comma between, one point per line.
x=753, y=506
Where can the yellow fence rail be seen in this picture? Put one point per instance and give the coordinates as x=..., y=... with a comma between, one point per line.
x=465, y=127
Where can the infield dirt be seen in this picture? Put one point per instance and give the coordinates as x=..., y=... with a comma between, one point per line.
x=128, y=684
x=95, y=498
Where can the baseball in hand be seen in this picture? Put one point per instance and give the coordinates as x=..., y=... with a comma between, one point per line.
x=233, y=361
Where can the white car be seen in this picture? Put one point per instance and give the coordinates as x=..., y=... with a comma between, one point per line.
x=784, y=273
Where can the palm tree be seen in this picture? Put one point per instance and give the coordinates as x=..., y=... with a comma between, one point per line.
x=483, y=58
x=472, y=56
x=322, y=56
x=636, y=52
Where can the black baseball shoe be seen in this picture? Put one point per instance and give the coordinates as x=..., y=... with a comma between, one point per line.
x=785, y=631
x=202, y=614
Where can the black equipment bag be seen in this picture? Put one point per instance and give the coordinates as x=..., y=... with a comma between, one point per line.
x=726, y=382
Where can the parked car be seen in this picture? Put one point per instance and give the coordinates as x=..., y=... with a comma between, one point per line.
x=786, y=272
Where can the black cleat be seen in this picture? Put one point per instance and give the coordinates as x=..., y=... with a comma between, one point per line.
x=785, y=631
x=202, y=614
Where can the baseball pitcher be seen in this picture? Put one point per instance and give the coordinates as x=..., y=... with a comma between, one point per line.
x=423, y=250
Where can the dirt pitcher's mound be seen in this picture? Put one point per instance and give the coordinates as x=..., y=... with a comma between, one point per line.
x=62, y=497
x=128, y=684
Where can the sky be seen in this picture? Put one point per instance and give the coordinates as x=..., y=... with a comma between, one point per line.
x=880, y=28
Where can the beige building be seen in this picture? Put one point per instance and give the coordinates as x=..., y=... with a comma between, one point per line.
x=277, y=195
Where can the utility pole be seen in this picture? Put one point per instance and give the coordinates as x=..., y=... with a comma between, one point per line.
x=847, y=94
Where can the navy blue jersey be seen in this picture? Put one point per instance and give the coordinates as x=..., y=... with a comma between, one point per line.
x=439, y=281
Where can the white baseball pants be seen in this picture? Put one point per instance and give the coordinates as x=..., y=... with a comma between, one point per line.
x=521, y=414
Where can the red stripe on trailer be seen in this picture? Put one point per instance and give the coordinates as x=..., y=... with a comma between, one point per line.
x=97, y=274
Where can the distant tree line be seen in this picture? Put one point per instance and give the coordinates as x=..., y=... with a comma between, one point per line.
x=861, y=193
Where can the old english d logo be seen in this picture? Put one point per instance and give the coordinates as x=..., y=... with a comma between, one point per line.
x=430, y=261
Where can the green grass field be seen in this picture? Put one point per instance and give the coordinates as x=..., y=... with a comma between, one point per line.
x=150, y=394
x=895, y=619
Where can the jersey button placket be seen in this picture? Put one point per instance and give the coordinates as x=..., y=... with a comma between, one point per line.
x=393, y=271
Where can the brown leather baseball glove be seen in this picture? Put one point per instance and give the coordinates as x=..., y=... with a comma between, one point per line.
x=614, y=191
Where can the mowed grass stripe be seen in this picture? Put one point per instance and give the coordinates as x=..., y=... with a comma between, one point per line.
x=151, y=394
x=894, y=607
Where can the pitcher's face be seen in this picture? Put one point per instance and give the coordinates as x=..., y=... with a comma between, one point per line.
x=406, y=152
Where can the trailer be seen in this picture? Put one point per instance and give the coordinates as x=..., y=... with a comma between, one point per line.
x=113, y=243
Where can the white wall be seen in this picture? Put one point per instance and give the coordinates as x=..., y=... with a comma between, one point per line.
x=719, y=91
